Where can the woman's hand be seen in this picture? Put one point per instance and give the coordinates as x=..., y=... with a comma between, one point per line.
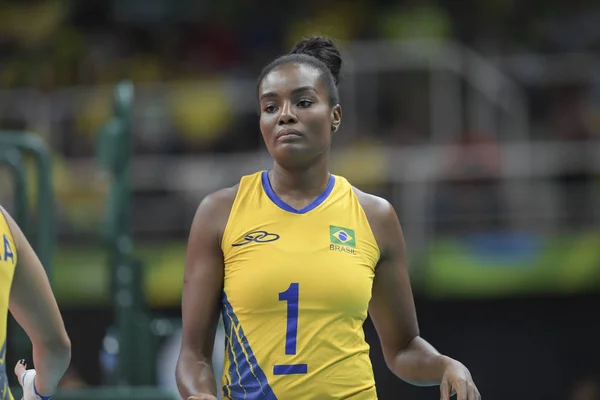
x=457, y=379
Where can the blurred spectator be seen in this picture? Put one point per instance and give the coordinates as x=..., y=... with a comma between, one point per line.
x=469, y=200
x=571, y=121
x=201, y=113
x=341, y=20
x=572, y=26
x=414, y=19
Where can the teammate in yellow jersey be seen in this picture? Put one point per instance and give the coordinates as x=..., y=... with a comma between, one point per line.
x=294, y=258
x=25, y=290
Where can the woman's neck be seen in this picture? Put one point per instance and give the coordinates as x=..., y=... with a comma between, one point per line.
x=302, y=182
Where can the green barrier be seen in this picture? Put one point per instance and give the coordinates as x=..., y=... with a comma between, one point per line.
x=32, y=144
x=13, y=159
x=138, y=336
x=136, y=343
x=114, y=155
x=12, y=147
x=566, y=263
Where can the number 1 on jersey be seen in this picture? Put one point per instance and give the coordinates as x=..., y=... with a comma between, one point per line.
x=291, y=296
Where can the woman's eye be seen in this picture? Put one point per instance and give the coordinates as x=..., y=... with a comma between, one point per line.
x=304, y=103
x=270, y=109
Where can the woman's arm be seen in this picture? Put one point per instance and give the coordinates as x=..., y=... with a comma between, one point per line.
x=392, y=310
x=34, y=307
x=201, y=301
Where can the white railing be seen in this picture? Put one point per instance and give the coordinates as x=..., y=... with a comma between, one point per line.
x=494, y=103
x=415, y=174
x=448, y=64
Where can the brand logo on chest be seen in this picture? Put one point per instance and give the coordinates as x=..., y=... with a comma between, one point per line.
x=256, y=237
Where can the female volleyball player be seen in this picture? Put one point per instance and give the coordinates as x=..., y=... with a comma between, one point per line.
x=25, y=290
x=295, y=257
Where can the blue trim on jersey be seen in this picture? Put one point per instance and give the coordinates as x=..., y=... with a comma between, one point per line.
x=284, y=206
x=233, y=365
x=290, y=369
x=226, y=388
x=252, y=383
x=4, y=387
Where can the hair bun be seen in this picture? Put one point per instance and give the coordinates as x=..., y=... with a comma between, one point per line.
x=324, y=50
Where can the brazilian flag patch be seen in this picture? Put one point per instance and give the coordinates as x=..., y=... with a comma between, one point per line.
x=342, y=236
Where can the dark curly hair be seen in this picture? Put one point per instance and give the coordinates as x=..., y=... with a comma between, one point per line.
x=319, y=53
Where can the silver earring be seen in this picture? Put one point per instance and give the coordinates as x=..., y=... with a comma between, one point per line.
x=334, y=128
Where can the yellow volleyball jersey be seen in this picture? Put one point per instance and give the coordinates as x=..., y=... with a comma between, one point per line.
x=296, y=291
x=8, y=262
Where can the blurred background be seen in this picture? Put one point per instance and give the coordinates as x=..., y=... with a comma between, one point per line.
x=478, y=120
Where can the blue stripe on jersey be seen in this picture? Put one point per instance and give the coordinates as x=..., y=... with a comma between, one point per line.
x=266, y=183
x=226, y=391
x=4, y=388
x=252, y=383
x=290, y=369
x=234, y=372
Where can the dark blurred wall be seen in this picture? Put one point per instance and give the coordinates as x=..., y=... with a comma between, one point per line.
x=532, y=349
